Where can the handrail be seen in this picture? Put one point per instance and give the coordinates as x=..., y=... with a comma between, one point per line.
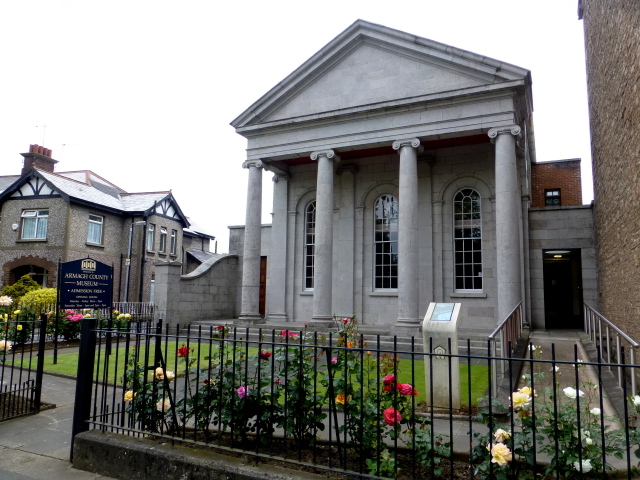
x=509, y=329
x=594, y=325
x=501, y=324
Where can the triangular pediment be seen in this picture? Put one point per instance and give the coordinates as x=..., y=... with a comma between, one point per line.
x=370, y=65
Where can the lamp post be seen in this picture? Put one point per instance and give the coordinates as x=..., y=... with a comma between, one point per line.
x=128, y=261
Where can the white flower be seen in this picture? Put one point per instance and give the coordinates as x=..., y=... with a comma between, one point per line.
x=572, y=392
x=555, y=369
x=595, y=411
x=5, y=301
x=533, y=348
x=5, y=345
x=588, y=441
x=586, y=466
x=163, y=405
x=636, y=400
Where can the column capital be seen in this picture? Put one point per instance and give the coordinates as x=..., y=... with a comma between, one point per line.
x=330, y=154
x=352, y=169
x=511, y=129
x=407, y=142
x=253, y=163
x=285, y=176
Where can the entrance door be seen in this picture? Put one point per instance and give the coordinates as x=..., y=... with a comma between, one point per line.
x=562, y=271
x=263, y=285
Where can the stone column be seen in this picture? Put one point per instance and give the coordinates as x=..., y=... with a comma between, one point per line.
x=250, y=306
x=277, y=262
x=508, y=212
x=408, y=295
x=323, y=261
x=345, y=247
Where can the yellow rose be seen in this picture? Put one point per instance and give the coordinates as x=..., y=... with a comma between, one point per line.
x=87, y=315
x=19, y=327
x=128, y=395
x=159, y=373
x=16, y=312
x=163, y=405
x=520, y=400
x=527, y=390
x=115, y=312
x=500, y=454
x=342, y=399
x=170, y=375
x=502, y=435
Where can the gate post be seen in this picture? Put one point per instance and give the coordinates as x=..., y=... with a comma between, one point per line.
x=86, y=357
x=40, y=366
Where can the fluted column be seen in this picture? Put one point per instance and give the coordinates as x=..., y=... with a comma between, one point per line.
x=250, y=306
x=323, y=260
x=277, y=262
x=408, y=294
x=507, y=219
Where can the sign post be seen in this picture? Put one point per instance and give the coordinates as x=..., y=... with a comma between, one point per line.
x=85, y=283
x=442, y=368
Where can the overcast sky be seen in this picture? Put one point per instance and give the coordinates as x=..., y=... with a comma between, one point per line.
x=142, y=92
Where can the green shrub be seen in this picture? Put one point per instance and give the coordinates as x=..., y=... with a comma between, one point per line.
x=20, y=288
x=41, y=296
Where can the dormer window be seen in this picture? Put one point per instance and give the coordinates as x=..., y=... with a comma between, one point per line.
x=34, y=224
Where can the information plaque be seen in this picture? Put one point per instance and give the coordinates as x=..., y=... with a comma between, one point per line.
x=85, y=283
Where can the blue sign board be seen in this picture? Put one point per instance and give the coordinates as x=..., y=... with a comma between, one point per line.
x=85, y=283
x=442, y=312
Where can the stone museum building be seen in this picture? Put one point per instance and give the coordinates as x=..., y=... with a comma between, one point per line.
x=405, y=173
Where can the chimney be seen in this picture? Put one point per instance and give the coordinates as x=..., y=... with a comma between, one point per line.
x=38, y=157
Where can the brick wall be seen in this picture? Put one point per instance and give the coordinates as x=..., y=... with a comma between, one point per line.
x=561, y=174
x=612, y=43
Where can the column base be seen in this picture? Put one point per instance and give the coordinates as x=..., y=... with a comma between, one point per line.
x=321, y=320
x=277, y=318
x=248, y=320
x=407, y=326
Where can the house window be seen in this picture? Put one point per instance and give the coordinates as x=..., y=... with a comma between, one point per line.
x=309, y=244
x=467, y=232
x=552, y=197
x=174, y=241
x=163, y=240
x=385, y=242
x=34, y=224
x=94, y=234
x=151, y=236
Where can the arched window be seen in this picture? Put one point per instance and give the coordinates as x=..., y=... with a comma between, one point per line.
x=309, y=244
x=467, y=240
x=385, y=272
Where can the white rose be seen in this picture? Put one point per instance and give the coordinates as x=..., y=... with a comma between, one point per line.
x=595, y=411
x=572, y=392
x=636, y=400
x=586, y=466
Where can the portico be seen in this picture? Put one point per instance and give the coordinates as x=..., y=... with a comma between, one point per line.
x=388, y=193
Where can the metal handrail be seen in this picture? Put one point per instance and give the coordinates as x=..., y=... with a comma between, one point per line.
x=593, y=327
x=509, y=329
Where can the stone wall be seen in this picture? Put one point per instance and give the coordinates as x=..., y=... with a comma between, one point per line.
x=612, y=42
x=207, y=293
x=561, y=228
x=560, y=174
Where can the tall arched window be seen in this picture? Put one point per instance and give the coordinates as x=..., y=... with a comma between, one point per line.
x=467, y=240
x=309, y=244
x=385, y=242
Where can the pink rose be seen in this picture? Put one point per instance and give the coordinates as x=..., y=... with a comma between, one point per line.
x=391, y=416
x=243, y=391
x=389, y=379
x=334, y=360
x=405, y=389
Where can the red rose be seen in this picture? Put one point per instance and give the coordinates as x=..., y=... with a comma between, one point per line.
x=391, y=416
x=405, y=389
x=183, y=351
x=264, y=355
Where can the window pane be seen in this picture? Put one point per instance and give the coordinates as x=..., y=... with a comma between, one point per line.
x=385, y=235
x=467, y=240
x=95, y=232
x=29, y=228
x=41, y=231
x=309, y=248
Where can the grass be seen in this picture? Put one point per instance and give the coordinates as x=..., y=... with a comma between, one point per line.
x=67, y=364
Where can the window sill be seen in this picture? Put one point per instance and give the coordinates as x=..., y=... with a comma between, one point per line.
x=468, y=295
x=384, y=293
x=162, y=254
x=31, y=240
x=307, y=293
x=91, y=244
x=153, y=252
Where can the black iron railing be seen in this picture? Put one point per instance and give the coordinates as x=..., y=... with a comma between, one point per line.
x=331, y=401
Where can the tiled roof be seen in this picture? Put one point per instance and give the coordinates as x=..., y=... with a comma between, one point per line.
x=89, y=187
x=197, y=230
x=6, y=181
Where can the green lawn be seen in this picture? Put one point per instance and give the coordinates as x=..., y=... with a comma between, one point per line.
x=68, y=364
